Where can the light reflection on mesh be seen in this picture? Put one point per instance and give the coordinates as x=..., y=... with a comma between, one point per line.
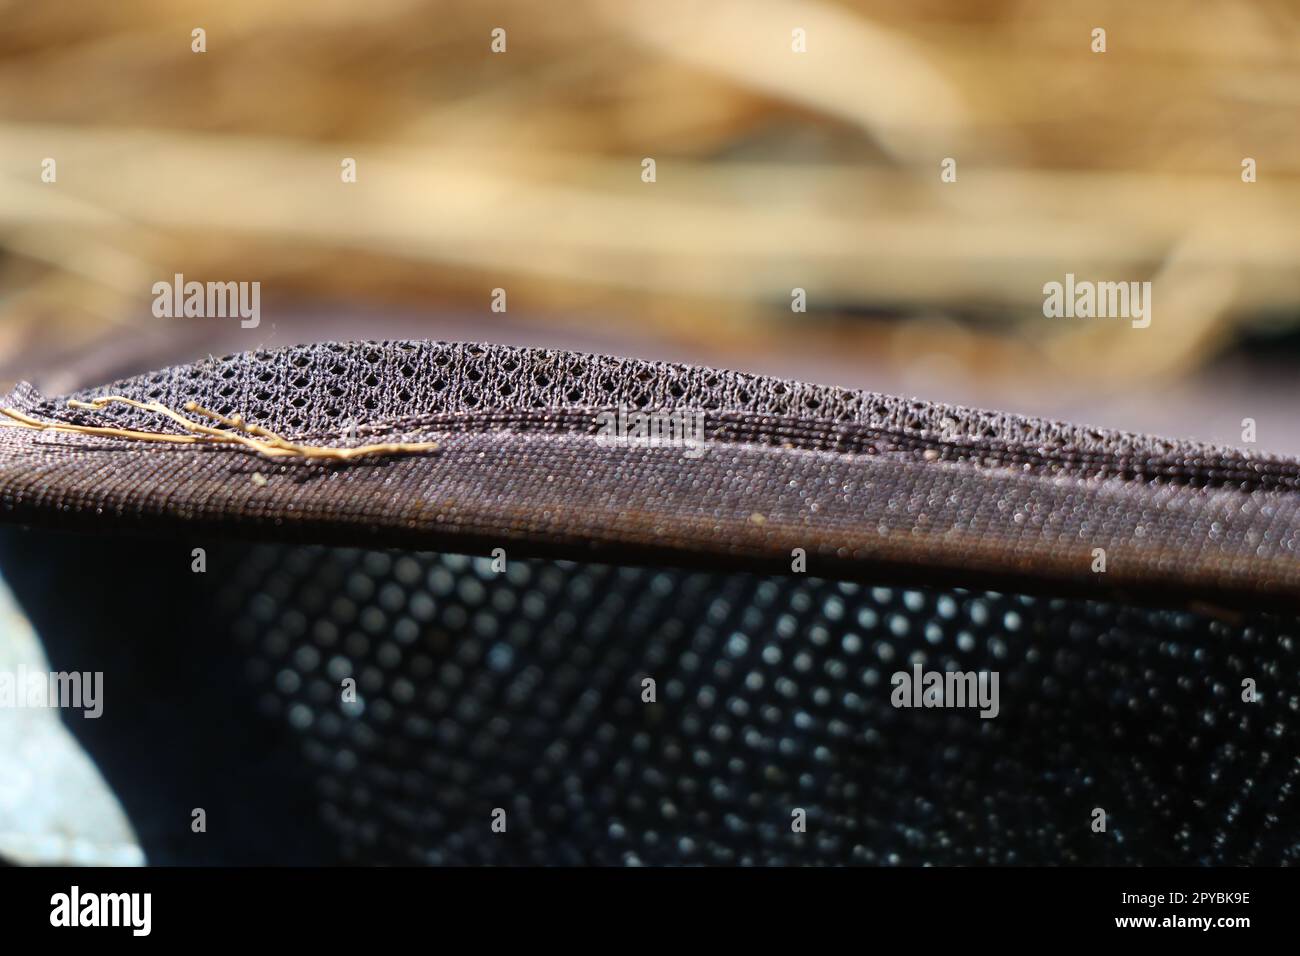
x=522, y=690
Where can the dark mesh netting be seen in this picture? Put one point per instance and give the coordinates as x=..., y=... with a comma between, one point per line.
x=1134, y=597
x=522, y=690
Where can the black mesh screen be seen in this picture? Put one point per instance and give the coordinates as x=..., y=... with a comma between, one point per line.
x=523, y=691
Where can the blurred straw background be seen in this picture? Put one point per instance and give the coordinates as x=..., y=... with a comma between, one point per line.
x=775, y=170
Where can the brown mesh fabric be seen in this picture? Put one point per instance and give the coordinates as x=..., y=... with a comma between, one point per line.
x=937, y=537
x=866, y=485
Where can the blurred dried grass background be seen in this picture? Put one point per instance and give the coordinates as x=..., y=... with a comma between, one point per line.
x=775, y=170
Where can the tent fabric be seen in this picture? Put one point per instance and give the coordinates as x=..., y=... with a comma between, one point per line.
x=499, y=602
x=866, y=486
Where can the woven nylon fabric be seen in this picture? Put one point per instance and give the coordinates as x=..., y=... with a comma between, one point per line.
x=866, y=486
x=329, y=388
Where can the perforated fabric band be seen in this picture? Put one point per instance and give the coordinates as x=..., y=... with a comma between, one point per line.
x=866, y=486
x=324, y=389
